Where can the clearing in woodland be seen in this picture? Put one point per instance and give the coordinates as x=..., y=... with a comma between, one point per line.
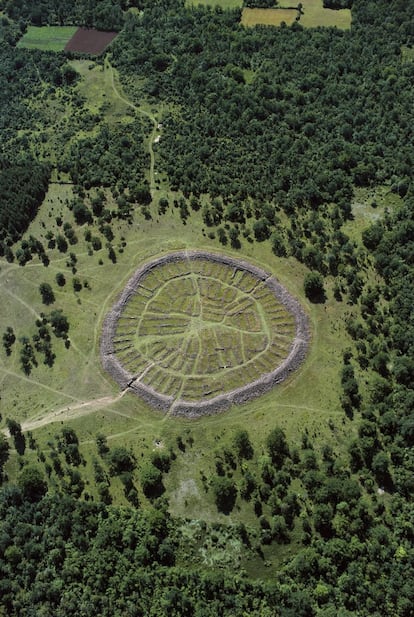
x=312, y=15
x=47, y=38
x=268, y=17
x=78, y=390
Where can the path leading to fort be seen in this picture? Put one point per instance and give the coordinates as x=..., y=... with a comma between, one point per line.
x=143, y=112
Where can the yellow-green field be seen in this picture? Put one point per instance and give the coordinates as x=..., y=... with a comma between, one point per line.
x=268, y=17
x=47, y=38
x=314, y=15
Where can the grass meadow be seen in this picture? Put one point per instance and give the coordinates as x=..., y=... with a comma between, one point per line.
x=77, y=391
x=268, y=17
x=314, y=15
x=47, y=38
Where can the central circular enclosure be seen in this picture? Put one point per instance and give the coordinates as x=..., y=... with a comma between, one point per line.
x=194, y=332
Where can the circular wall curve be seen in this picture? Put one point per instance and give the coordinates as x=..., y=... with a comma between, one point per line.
x=194, y=332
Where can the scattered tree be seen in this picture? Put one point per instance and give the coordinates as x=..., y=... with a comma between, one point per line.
x=225, y=493
x=314, y=287
x=46, y=291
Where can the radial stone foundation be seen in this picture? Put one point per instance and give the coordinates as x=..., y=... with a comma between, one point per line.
x=194, y=332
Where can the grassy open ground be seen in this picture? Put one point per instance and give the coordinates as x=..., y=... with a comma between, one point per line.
x=368, y=206
x=268, y=17
x=313, y=15
x=95, y=87
x=47, y=38
x=76, y=390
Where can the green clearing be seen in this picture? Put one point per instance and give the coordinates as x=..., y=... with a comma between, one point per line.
x=314, y=15
x=95, y=86
x=268, y=17
x=76, y=390
x=407, y=53
x=370, y=205
x=47, y=38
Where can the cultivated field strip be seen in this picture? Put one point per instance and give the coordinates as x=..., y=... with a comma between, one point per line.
x=194, y=332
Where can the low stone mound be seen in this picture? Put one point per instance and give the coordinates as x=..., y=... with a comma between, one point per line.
x=194, y=332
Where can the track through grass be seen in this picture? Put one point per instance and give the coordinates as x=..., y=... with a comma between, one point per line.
x=143, y=112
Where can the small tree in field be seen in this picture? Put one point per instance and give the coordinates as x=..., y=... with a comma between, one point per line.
x=151, y=480
x=48, y=297
x=60, y=279
x=120, y=459
x=225, y=493
x=313, y=286
x=4, y=453
x=59, y=323
x=277, y=446
x=243, y=444
x=9, y=338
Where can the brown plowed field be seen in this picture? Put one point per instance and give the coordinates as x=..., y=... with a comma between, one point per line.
x=90, y=41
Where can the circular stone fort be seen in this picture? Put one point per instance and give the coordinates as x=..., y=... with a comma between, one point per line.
x=194, y=332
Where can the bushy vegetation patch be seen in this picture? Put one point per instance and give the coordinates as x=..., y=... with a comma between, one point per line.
x=17, y=209
x=106, y=15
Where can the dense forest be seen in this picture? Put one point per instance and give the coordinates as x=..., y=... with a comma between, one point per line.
x=268, y=132
x=104, y=15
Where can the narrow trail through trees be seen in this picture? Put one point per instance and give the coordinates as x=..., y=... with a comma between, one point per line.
x=143, y=112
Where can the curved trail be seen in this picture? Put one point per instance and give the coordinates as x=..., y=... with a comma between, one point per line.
x=154, y=133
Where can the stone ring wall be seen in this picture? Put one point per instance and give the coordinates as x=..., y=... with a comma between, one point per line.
x=194, y=332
